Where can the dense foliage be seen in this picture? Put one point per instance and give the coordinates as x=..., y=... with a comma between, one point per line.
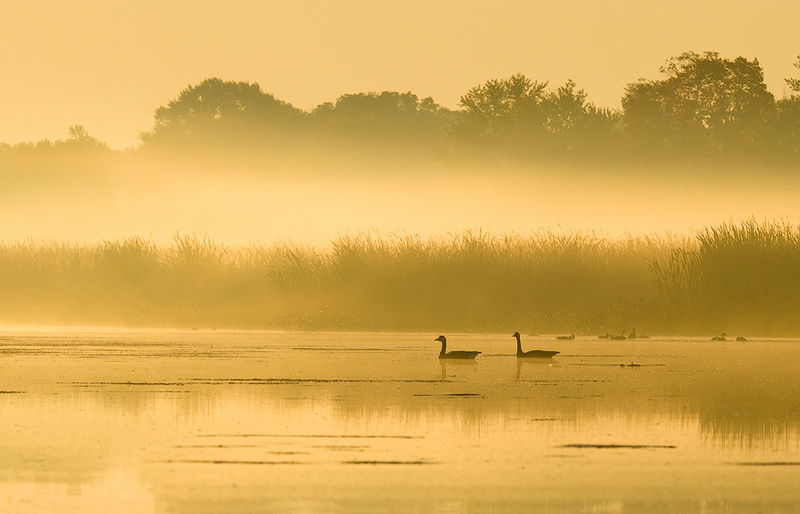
x=706, y=109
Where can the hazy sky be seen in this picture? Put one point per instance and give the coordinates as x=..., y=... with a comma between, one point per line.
x=109, y=65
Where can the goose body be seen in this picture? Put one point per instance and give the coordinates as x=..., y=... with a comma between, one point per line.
x=633, y=335
x=566, y=338
x=720, y=338
x=532, y=354
x=620, y=337
x=460, y=354
x=741, y=339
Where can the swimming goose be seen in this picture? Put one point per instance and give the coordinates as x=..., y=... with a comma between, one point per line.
x=720, y=338
x=633, y=335
x=620, y=337
x=532, y=354
x=453, y=355
x=566, y=338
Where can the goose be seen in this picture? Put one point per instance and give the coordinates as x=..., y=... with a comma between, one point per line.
x=634, y=335
x=720, y=338
x=607, y=336
x=453, y=355
x=532, y=354
x=620, y=337
x=566, y=338
x=741, y=339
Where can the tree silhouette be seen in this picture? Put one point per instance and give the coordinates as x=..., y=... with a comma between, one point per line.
x=794, y=84
x=576, y=127
x=217, y=110
x=518, y=117
x=786, y=133
x=706, y=103
x=501, y=113
x=79, y=138
x=386, y=118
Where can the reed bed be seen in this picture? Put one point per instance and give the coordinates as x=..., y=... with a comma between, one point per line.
x=731, y=277
x=735, y=277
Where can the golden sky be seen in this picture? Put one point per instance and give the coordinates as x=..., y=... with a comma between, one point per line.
x=109, y=65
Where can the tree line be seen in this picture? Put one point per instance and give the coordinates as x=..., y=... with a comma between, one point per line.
x=705, y=108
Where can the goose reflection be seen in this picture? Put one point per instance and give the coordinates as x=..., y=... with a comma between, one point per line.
x=452, y=369
x=545, y=363
x=459, y=354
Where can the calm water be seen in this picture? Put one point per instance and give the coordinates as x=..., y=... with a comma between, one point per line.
x=235, y=422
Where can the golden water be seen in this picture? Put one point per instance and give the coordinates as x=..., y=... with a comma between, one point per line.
x=238, y=422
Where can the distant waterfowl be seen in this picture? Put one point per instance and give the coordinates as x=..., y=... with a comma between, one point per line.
x=741, y=339
x=633, y=335
x=607, y=336
x=720, y=338
x=620, y=337
x=532, y=354
x=453, y=355
x=566, y=338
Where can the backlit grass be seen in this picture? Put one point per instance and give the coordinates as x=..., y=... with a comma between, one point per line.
x=735, y=278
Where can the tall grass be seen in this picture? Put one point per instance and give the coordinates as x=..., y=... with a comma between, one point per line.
x=478, y=281
x=742, y=277
x=729, y=278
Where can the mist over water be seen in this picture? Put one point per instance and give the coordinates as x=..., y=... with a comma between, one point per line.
x=233, y=206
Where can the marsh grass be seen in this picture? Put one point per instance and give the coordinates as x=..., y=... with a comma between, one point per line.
x=728, y=278
x=743, y=277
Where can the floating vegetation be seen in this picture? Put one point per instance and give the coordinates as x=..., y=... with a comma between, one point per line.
x=766, y=463
x=454, y=395
x=243, y=462
x=389, y=462
x=618, y=446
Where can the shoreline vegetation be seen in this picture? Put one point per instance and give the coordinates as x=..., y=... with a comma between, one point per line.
x=734, y=278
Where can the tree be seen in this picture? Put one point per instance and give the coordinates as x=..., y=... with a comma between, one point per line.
x=501, y=113
x=518, y=117
x=576, y=127
x=787, y=130
x=386, y=118
x=706, y=103
x=794, y=84
x=80, y=138
x=217, y=110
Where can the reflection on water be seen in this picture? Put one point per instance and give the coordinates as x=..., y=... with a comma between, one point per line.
x=173, y=422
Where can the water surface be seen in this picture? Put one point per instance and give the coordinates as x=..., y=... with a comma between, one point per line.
x=239, y=422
